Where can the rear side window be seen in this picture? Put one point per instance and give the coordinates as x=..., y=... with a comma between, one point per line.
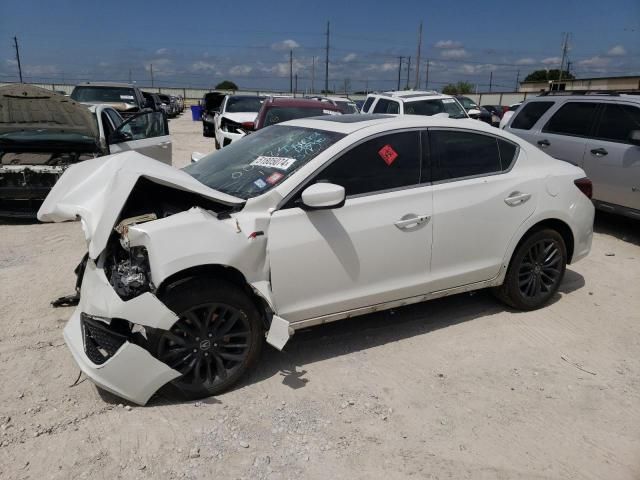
x=382, y=163
x=457, y=154
x=573, y=118
x=530, y=114
x=367, y=104
x=617, y=122
x=387, y=106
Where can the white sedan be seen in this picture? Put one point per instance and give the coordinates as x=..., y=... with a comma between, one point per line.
x=299, y=224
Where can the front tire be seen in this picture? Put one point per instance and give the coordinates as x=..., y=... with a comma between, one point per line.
x=535, y=271
x=217, y=338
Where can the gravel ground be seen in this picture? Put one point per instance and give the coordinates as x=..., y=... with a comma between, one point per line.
x=456, y=388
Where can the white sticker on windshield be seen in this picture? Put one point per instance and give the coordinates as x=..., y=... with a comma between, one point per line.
x=448, y=100
x=330, y=112
x=281, y=163
x=126, y=97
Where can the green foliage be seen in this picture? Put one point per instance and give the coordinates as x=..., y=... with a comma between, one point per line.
x=460, y=88
x=545, y=75
x=226, y=85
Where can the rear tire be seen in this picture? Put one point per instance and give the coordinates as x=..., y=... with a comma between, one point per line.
x=535, y=271
x=217, y=338
x=216, y=143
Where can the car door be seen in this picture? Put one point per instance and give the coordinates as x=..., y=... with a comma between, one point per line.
x=564, y=136
x=374, y=249
x=147, y=133
x=479, y=201
x=611, y=161
x=217, y=119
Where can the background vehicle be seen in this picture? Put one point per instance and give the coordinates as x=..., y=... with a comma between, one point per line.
x=167, y=105
x=346, y=105
x=277, y=110
x=598, y=132
x=302, y=223
x=496, y=112
x=49, y=133
x=153, y=101
x=410, y=102
x=474, y=110
x=210, y=106
x=236, y=116
x=508, y=114
x=124, y=97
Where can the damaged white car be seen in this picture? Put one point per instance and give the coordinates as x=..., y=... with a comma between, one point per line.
x=302, y=223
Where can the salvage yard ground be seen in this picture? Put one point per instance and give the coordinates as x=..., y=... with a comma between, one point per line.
x=458, y=388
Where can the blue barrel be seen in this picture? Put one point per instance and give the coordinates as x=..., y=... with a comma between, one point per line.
x=196, y=113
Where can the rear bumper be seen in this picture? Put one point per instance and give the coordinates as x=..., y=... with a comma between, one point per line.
x=130, y=372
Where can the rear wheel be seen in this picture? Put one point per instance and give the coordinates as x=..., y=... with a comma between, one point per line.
x=217, y=338
x=216, y=142
x=535, y=272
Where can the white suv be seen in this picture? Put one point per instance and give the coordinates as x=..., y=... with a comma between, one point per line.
x=412, y=102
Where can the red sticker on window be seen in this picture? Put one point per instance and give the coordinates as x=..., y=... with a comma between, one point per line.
x=274, y=178
x=388, y=154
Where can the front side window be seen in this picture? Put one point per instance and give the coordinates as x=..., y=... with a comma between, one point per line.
x=387, y=106
x=261, y=160
x=147, y=125
x=459, y=154
x=433, y=107
x=104, y=95
x=527, y=117
x=617, y=122
x=382, y=163
x=573, y=118
x=467, y=103
x=367, y=104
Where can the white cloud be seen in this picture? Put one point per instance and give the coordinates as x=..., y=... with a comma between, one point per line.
x=596, y=61
x=454, y=53
x=201, y=66
x=475, y=68
x=350, y=57
x=104, y=64
x=526, y=61
x=617, y=51
x=383, y=67
x=162, y=51
x=551, y=61
x=285, y=45
x=448, y=44
x=240, y=70
x=34, y=70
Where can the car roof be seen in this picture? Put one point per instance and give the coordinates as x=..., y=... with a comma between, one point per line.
x=411, y=95
x=106, y=84
x=353, y=122
x=299, y=103
x=599, y=97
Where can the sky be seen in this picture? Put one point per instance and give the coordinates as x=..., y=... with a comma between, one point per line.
x=200, y=43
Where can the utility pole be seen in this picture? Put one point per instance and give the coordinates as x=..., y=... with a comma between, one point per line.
x=568, y=67
x=295, y=88
x=417, y=84
x=291, y=71
x=490, y=81
x=426, y=77
x=326, y=65
x=313, y=74
x=408, y=70
x=517, y=81
x=15, y=41
x=151, y=70
x=399, y=70
x=565, y=46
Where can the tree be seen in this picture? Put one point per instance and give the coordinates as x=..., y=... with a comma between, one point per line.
x=459, y=88
x=226, y=85
x=545, y=75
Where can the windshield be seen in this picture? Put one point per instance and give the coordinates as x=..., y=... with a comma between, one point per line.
x=244, y=104
x=104, y=94
x=347, y=107
x=432, y=107
x=282, y=114
x=467, y=103
x=256, y=163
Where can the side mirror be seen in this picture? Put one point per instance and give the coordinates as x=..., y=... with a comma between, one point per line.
x=634, y=137
x=195, y=156
x=320, y=196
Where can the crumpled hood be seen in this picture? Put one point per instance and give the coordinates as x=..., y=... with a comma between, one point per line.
x=96, y=190
x=240, y=117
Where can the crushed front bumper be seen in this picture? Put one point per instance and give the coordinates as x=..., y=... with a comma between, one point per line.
x=125, y=369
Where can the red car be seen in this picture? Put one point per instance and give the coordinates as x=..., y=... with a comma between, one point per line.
x=280, y=109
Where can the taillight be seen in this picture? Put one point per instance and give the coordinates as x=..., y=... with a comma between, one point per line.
x=585, y=186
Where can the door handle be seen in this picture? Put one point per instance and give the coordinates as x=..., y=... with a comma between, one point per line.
x=517, y=198
x=599, y=152
x=544, y=143
x=411, y=220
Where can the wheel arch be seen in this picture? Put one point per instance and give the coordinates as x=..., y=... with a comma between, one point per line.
x=556, y=224
x=223, y=272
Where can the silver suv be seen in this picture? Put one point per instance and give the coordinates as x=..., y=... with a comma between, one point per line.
x=598, y=132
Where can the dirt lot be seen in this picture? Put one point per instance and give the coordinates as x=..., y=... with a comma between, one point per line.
x=456, y=388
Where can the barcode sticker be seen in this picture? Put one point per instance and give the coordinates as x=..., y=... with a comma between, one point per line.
x=281, y=163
